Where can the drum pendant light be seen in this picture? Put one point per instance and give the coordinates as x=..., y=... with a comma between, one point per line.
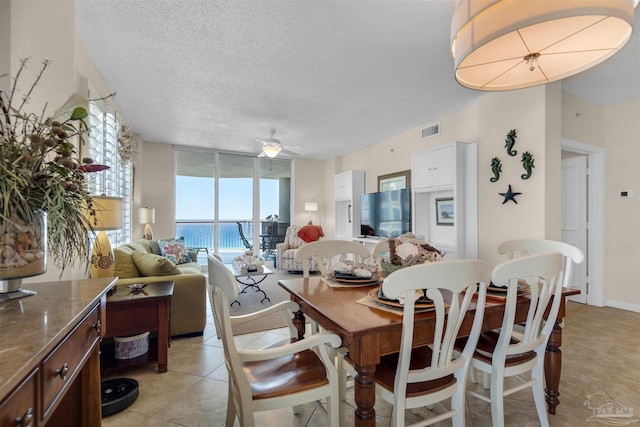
x=502, y=45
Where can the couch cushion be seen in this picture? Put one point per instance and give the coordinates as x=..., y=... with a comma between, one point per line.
x=174, y=250
x=153, y=245
x=145, y=245
x=153, y=265
x=190, y=268
x=134, y=246
x=125, y=268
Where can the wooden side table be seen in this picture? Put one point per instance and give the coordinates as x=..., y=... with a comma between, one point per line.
x=132, y=311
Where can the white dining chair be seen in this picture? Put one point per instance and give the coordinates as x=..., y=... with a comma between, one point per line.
x=327, y=252
x=499, y=354
x=424, y=376
x=284, y=375
x=521, y=247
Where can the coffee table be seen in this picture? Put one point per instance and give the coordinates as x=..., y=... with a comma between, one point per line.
x=250, y=280
x=134, y=309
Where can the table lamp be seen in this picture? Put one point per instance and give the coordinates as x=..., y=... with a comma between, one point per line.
x=147, y=216
x=311, y=207
x=108, y=216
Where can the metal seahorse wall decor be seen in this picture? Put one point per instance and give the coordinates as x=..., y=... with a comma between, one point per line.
x=510, y=142
x=496, y=168
x=527, y=164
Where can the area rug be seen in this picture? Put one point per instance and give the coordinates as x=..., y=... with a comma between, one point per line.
x=250, y=303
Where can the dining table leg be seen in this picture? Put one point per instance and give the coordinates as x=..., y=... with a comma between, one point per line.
x=365, y=395
x=552, y=368
x=299, y=322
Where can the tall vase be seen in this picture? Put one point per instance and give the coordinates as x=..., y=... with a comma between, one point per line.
x=23, y=253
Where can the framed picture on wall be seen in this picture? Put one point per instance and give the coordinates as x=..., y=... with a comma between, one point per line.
x=394, y=181
x=444, y=211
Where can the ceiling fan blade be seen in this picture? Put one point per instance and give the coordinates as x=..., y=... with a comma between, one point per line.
x=262, y=154
x=289, y=153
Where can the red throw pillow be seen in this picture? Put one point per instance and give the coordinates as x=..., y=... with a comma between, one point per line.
x=310, y=233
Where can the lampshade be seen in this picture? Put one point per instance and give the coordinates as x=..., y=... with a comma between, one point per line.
x=311, y=206
x=512, y=44
x=108, y=216
x=108, y=213
x=147, y=215
x=271, y=150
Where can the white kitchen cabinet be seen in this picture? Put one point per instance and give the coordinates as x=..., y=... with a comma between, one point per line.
x=446, y=172
x=434, y=168
x=348, y=189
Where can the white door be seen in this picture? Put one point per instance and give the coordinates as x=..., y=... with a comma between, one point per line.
x=574, y=218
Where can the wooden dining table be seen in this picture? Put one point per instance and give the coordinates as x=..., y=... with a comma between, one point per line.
x=369, y=333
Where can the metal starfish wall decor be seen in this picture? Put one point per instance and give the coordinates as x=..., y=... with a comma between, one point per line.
x=510, y=195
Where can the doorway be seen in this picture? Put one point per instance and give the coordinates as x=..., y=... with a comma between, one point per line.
x=583, y=215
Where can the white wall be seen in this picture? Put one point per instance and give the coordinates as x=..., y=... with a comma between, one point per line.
x=622, y=216
x=45, y=29
x=156, y=174
x=617, y=129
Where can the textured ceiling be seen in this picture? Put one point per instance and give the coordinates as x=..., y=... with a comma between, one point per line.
x=330, y=76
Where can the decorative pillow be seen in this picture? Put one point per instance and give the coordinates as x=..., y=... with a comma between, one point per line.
x=153, y=244
x=174, y=250
x=310, y=233
x=125, y=268
x=154, y=265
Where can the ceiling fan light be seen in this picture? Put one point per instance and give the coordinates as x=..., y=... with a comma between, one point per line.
x=512, y=44
x=271, y=150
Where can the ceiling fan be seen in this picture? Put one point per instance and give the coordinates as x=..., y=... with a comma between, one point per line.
x=271, y=147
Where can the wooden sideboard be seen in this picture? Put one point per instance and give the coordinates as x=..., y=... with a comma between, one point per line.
x=50, y=354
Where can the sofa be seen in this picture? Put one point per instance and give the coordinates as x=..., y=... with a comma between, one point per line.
x=141, y=261
x=286, y=251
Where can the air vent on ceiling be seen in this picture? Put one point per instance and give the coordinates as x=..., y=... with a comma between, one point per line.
x=434, y=129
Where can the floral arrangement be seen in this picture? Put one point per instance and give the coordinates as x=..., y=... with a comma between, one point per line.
x=405, y=251
x=40, y=172
x=248, y=262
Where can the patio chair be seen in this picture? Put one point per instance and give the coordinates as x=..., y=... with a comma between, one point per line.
x=245, y=242
x=284, y=375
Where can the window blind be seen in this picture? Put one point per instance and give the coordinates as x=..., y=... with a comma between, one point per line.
x=117, y=181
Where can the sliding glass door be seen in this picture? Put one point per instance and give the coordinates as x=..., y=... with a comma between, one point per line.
x=195, y=198
x=230, y=203
x=236, y=188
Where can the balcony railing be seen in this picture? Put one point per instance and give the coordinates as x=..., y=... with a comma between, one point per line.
x=199, y=234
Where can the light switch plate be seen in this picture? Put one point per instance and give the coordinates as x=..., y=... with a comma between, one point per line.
x=625, y=194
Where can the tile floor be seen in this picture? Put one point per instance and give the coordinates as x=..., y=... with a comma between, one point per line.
x=601, y=352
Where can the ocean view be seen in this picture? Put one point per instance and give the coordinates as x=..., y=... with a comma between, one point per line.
x=201, y=235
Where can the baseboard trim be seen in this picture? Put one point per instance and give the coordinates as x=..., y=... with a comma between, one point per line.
x=623, y=305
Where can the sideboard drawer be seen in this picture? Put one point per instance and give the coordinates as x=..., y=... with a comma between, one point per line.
x=19, y=409
x=61, y=366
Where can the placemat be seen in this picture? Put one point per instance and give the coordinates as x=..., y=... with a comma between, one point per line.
x=380, y=306
x=333, y=284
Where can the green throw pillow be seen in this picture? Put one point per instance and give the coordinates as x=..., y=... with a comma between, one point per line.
x=153, y=265
x=125, y=268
